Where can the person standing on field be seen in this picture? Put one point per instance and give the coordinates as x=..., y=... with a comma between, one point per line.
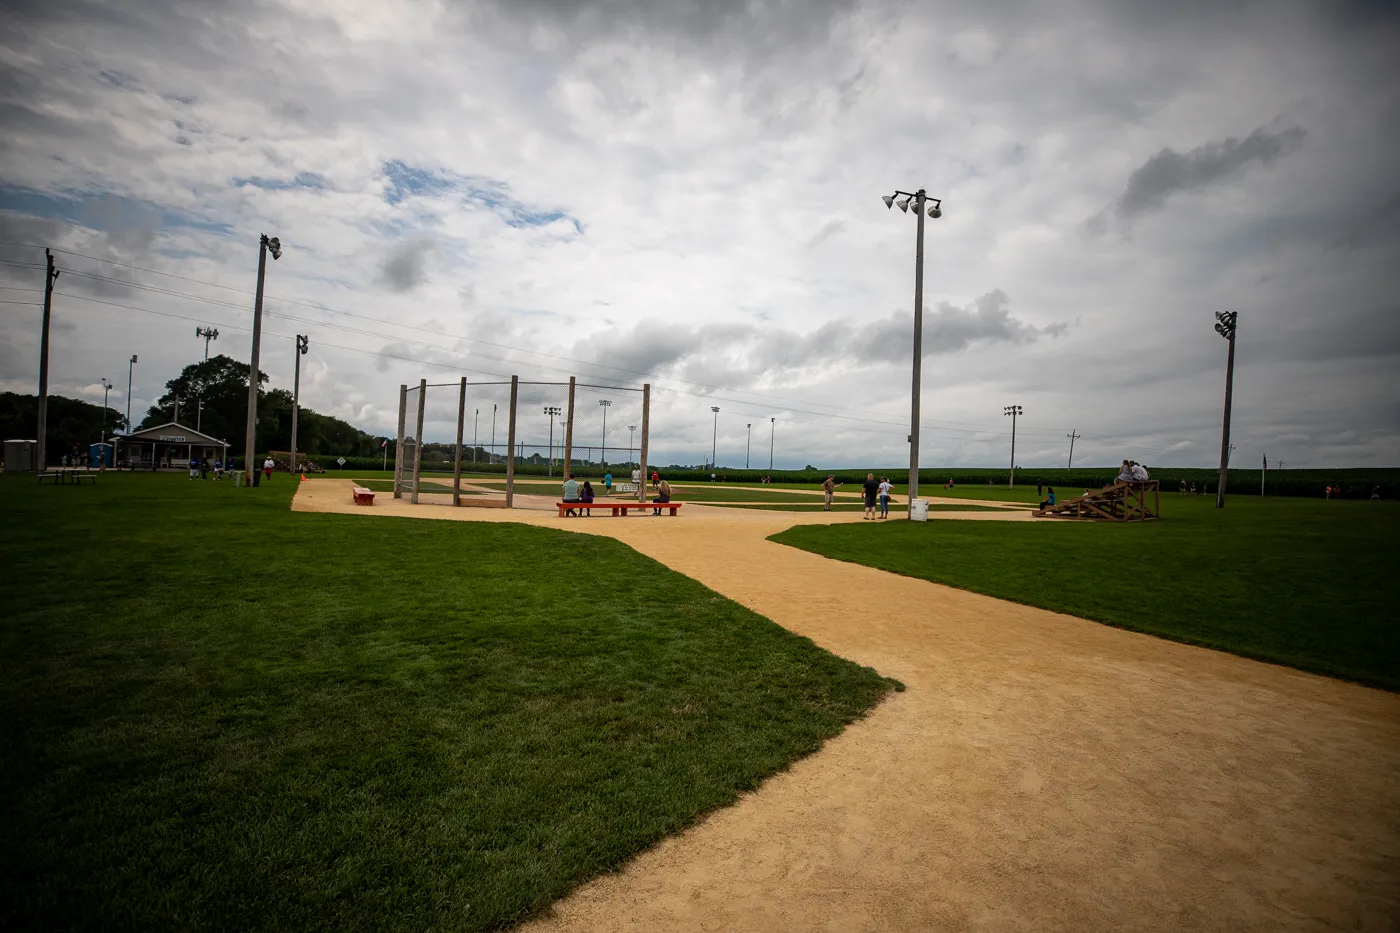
x=267, y=468
x=607, y=483
x=886, y=487
x=655, y=479
x=828, y=487
x=871, y=490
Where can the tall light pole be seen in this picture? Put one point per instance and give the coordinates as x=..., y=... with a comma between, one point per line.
x=303, y=344
x=208, y=333
x=476, y=423
x=1014, y=411
x=552, y=410
x=631, y=439
x=605, y=404
x=266, y=245
x=130, y=368
x=491, y=458
x=50, y=276
x=714, y=441
x=919, y=198
x=748, y=442
x=1225, y=325
x=772, y=433
x=106, y=387
x=1073, y=436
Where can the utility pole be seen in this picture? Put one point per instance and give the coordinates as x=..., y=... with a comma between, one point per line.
x=130, y=368
x=476, y=423
x=919, y=198
x=208, y=333
x=1263, y=473
x=1014, y=411
x=552, y=411
x=631, y=440
x=106, y=387
x=1226, y=323
x=1073, y=435
x=772, y=433
x=273, y=245
x=714, y=442
x=748, y=442
x=491, y=458
x=303, y=344
x=50, y=276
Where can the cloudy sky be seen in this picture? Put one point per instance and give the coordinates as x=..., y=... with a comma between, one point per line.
x=688, y=193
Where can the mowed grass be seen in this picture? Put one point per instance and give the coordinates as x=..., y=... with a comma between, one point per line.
x=223, y=715
x=1302, y=582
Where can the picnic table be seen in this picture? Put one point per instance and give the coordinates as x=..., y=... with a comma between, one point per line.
x=68, y=476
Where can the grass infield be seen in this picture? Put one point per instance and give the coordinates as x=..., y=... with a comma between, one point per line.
x=223, y=715
x=1302, y=582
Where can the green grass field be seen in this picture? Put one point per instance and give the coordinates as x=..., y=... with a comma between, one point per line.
x=223, y=715
x=1301, y=582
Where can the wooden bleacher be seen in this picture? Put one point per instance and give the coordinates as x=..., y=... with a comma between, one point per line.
x=1121, y=502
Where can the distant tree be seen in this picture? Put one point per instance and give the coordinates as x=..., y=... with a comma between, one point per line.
x=72, y=423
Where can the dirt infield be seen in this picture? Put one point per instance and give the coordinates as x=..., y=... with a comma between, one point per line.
x=1040, y=772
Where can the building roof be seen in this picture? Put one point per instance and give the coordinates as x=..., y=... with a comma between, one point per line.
x=173, y=432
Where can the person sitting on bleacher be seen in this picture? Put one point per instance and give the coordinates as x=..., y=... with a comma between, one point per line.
x=1139, y=473
x=1125, y=472
x=570, y=493
x=663, y=494
x=1049, y=499
x=585, y=495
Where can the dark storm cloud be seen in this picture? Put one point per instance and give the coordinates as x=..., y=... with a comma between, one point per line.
x=405, y=268
x=758, y=350
x=1170, y=172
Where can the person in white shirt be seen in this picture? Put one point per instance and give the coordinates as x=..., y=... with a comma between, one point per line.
x=886, y=487
x=571, y=494
x=1139, y=473
x=267, y=468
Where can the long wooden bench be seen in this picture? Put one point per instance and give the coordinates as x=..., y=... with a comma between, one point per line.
x=364, y=496
x=617, y=507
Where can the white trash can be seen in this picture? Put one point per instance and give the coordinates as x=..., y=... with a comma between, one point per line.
x=918, y=510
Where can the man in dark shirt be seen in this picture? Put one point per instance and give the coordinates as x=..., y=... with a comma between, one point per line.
x=871, y=488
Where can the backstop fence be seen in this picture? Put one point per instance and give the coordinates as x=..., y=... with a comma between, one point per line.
x=543, y=428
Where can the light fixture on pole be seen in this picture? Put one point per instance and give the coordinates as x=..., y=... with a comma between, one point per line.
x=552, y=410
x=266, y=245
x=106, y=387
x=919, y=199
x=303, y=344
x=131, y=367
x=631, y=439
x=605, y=404
x=714, y=442
x=772, y=433
x=208, y=334
x=1014, y=411
x=1225, y=325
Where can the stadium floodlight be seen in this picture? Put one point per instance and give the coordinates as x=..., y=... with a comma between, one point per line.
x=1225, y=325
x=920, y=199
x=552, y=411
x=131, y=368
x=1014, y=411
x=714, y=442
x=106, y=387
x=266, y=245
x=605, y=404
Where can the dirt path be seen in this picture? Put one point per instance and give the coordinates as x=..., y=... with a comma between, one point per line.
x=1040, y=772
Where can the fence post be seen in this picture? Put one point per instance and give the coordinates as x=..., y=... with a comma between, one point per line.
x=569, y=429
x=398, y=444
x=510, y=444
x=457, y=466
x=418, y=438
x=642, y=456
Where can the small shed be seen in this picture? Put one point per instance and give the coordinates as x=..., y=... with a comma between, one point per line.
x=171, y=445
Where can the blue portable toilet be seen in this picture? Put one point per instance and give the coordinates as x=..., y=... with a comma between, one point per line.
x=101, y=455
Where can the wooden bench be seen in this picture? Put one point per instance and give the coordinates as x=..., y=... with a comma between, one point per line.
x=68, y=476
x=364, y=496
x=617, y=507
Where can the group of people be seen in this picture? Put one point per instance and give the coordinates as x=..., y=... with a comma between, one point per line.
x=584, y=494
x=200, y=468
x=1132, y=472
x=876, y=495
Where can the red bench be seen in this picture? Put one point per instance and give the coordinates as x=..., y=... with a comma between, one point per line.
x=618, y=507
x=364, y=496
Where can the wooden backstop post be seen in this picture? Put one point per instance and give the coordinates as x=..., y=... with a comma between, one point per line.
x=510, y=444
